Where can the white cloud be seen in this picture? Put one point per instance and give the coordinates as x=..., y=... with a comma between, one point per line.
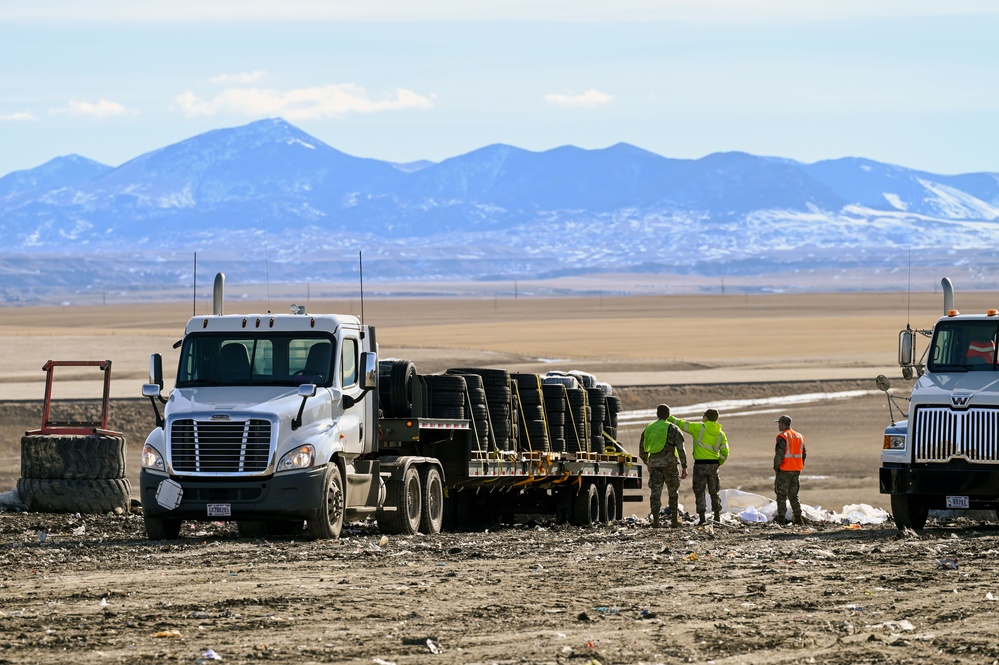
x=589, y=98
x=102, y=109
x=241, y=78
x=21, y=116
x=301, y=104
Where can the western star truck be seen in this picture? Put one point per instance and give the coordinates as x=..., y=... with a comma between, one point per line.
x=285, y=421
x=946, y=454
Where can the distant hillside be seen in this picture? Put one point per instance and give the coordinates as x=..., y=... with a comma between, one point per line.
x=268, y=192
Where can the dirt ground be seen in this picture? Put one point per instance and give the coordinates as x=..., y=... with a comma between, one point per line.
x=92, y=589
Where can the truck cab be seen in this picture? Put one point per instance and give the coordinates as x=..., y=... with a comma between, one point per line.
x=264, y=425
x=946, y=454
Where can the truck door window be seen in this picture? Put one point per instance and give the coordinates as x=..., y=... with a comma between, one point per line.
x=348, y=363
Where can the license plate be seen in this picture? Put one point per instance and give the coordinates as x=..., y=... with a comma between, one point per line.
x=222, y=510
x=957, y=502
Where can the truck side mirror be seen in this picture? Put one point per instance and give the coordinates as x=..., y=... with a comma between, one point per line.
x=156, y=370
x=906, y=348
x=369, y=370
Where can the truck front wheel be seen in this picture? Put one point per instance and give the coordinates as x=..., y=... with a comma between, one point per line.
x=909, y=511
x=329, y=522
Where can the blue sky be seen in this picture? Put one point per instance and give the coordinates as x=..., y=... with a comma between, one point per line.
x=909, y=82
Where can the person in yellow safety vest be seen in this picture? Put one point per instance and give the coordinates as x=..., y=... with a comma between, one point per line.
x=710, y=452
x=789, y=459
x=661, y=447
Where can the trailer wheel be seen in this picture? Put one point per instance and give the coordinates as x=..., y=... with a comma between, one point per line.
x=432, y=514
x=909, y=511
x=586, y=506
x=56, y=495
x=608, y=504
x=329, y=522
x=405, y=495
x=158, y=528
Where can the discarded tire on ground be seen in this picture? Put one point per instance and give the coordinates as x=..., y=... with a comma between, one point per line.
x=72, y=457
x=58, y=495
x=73, y=473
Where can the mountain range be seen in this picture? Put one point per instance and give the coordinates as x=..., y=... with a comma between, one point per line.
x=269, y=193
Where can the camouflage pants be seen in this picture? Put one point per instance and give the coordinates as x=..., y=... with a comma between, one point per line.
x=786, y=489
x=659, y=476
x=706, y=478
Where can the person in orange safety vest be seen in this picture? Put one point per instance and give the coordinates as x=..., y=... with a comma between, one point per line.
x=789, y=459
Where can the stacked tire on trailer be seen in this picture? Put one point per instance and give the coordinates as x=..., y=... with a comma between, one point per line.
x=73, y=473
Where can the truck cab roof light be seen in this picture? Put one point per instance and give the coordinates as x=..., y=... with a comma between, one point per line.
x=993, y=312
x=952, y=312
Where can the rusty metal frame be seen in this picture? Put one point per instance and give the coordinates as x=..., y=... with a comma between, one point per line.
x=76, y=427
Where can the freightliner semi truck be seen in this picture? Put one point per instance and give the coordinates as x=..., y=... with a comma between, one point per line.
x=945, y=455
x=290, y=422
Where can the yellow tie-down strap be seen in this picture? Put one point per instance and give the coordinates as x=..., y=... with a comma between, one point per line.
x=618, y=449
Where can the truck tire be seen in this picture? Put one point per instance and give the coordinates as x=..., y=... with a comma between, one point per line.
x=252, y=528
x=58, y=495
x=432, y=510
x=608, y=504
x=72, y=457
x=586, y=505
x=403, y=493
x=329, y=522
x=395, y=387
x=909, y=511
x=159, y=528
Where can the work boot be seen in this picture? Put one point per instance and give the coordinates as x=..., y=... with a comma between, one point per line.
x=780, y=520
x=717, y=517
x=798, y=520
x=674, y=522
x=655, y=521
x=701, y=521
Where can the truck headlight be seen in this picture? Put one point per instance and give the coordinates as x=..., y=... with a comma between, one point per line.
x=894, y=442
x=300, y=458
x=151, y=458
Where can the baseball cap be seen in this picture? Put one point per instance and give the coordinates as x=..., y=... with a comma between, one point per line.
x=784, y=419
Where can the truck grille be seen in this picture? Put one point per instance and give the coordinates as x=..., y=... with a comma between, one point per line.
x=940, y=434
x=220, y=447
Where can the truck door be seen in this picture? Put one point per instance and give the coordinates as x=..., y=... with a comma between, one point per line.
x=352, y=421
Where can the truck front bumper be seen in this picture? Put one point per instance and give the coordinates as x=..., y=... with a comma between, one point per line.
x=292, y=495
x=981, y=486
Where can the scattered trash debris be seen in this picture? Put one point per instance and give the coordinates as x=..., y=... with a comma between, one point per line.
x=434, y=647
x=946, y=563
x=167, y=633
x=211, y=655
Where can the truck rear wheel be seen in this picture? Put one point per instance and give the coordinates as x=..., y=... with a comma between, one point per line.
x=329, y=522
x=406, y=496
x=158, y=528
x=608, y=504
x=909, y=511
x=432, y=514
x=586, y=506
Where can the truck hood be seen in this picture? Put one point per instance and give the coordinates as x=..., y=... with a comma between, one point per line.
x=981, y=387
x=263, y=400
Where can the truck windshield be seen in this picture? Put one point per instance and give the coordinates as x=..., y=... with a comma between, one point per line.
x=963, y=346
x=288, y=359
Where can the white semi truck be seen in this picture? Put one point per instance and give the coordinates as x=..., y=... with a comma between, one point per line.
x=279, y=421
x=946, y=454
